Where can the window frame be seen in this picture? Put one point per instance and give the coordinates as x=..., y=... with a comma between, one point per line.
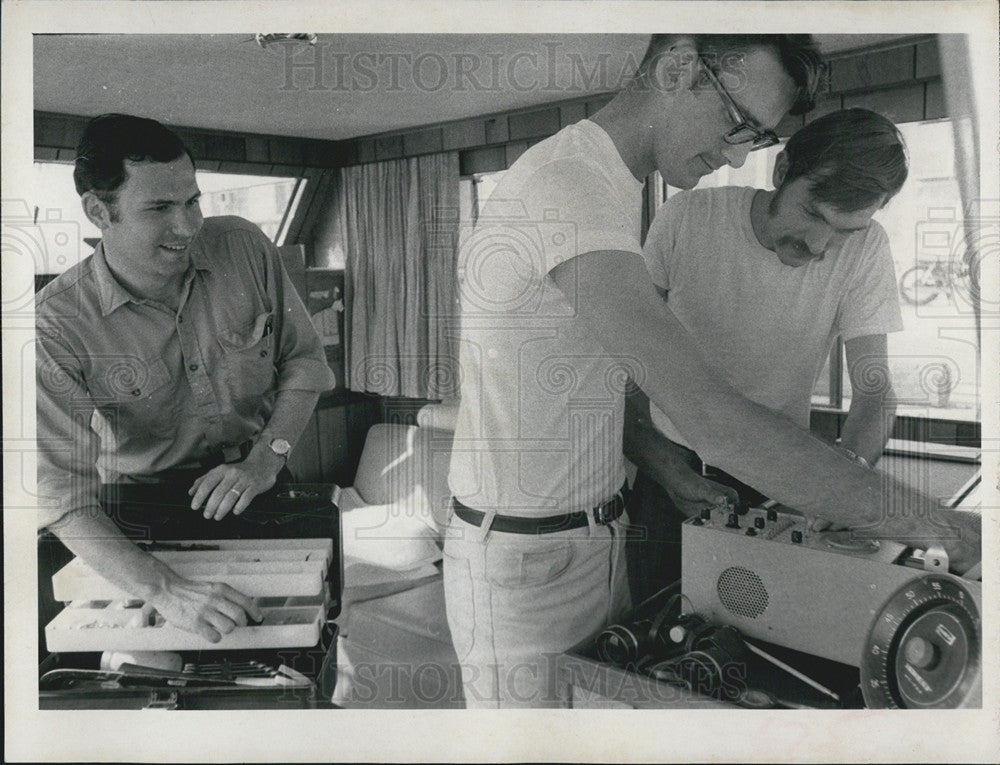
x=299, y=191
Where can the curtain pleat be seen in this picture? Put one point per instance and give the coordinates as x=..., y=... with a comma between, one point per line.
x=398, y=223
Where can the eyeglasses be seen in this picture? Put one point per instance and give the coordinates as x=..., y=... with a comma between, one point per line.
x=744, y=132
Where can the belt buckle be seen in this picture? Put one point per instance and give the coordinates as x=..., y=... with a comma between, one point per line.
x=604, y=513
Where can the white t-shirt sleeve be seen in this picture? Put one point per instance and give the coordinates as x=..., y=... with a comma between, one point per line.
x=870, y=305
x=579, y=210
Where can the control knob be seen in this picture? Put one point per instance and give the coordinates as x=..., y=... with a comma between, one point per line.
x=923, y=648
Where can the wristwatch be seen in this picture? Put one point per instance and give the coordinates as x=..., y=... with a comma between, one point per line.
x=281, y=447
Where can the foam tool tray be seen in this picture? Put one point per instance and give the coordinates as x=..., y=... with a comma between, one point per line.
x=128, y=626
x=255, y=567
x=286, y=576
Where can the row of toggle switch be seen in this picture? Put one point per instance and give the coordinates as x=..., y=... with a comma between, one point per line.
x=733, y=521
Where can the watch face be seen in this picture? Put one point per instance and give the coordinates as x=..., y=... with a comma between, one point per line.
x=280, y=446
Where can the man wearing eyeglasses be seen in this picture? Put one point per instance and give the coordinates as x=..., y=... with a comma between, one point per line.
x=558, y=311
x=746, y=133
x=765, y=281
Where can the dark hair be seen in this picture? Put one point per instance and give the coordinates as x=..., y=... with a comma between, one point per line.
x=856, y=157
x=798, y=55
x=110, y=139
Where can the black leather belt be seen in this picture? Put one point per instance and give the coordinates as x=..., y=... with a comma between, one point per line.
x=603, y=514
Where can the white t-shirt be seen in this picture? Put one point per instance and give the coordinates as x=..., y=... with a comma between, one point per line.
x=766, y=327
x=539, y=428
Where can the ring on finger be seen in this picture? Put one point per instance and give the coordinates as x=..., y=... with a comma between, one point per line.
x=235, y=491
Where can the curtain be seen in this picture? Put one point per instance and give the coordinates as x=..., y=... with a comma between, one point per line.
x=397, y=223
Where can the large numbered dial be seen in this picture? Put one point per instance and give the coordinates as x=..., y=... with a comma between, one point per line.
x=923, y=649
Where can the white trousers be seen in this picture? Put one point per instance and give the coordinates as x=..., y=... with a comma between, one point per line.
x=515, y=602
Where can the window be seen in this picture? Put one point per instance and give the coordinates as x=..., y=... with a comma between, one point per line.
x=473, y=191
x=934, y=360
x=261, y=199
x=483, y=184
x=267, y=201
x=57, y=206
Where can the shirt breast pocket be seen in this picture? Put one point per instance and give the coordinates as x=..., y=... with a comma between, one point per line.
x=249, y=358
x=134, y=394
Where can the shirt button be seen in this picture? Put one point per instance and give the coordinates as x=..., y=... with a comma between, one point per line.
x=193, y=367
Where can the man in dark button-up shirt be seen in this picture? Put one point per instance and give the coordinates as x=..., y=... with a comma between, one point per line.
x=178, y=343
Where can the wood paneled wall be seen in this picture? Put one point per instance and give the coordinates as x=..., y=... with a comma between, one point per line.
x=56, y=137
x=902, y=81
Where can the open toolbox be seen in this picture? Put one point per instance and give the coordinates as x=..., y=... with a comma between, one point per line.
x=284, y=551
x=285, y=575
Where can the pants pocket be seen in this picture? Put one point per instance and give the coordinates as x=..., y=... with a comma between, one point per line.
x=532, y=562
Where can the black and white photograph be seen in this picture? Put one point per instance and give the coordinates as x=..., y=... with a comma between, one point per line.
x=501, y=381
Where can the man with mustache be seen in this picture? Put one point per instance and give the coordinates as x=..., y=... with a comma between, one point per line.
x=765, y=281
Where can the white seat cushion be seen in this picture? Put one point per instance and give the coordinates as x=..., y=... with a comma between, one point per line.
x=399, y=536
x=442, y=416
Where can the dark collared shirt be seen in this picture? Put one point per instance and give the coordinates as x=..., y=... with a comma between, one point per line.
x=127, y=388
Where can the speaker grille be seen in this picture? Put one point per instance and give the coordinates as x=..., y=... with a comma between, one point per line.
x=742, y=592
